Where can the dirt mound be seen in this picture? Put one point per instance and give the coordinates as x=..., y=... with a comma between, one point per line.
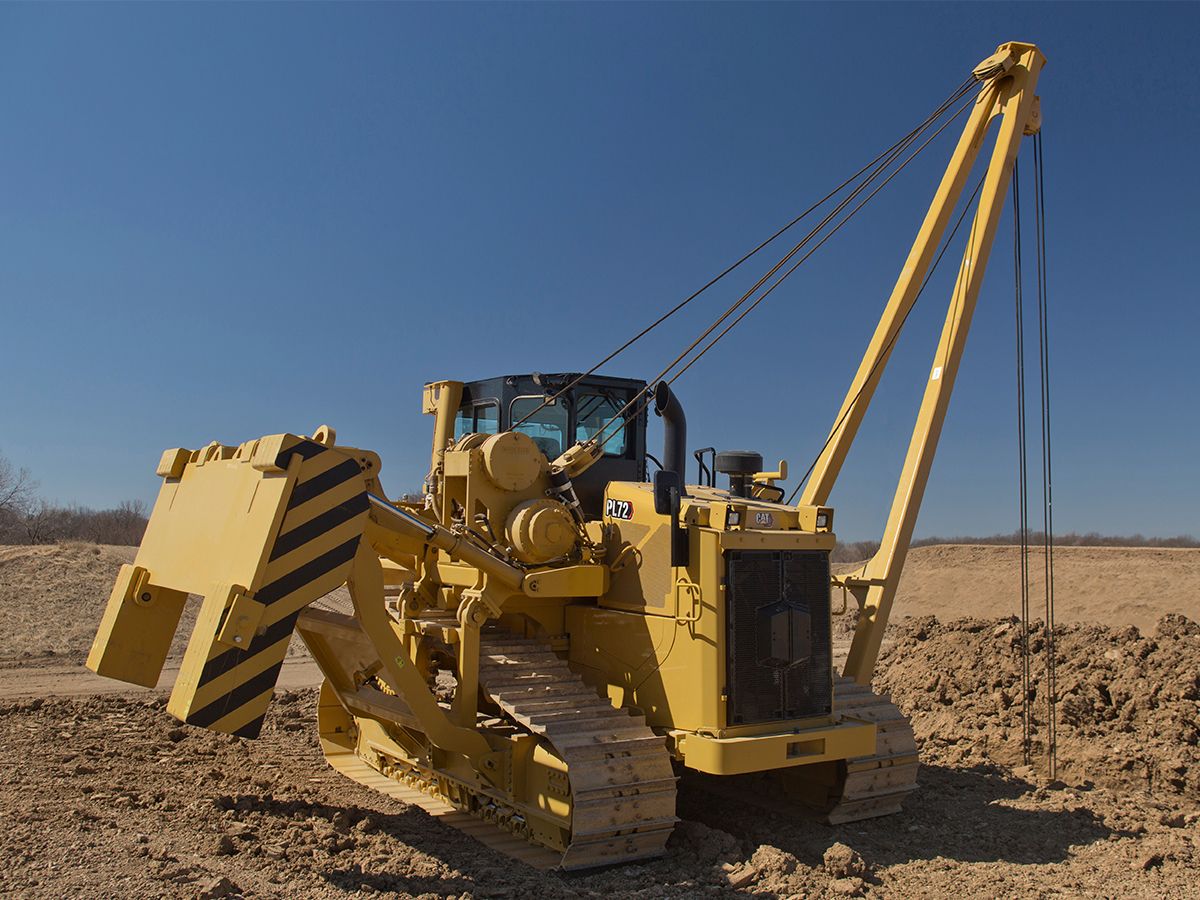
x=1108, y=585
x=52, y=596
x=1129, y=705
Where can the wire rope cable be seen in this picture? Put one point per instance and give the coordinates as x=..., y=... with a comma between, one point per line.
x=814, y=249
x=641, y=399
x=1022, y=474
x=883, y=158
x=1047, y=469
x=891, y=341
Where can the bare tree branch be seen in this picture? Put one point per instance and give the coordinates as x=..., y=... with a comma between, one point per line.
x=16, y=489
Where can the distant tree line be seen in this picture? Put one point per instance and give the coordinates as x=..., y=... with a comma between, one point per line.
x=854, y=551
x=27, y=518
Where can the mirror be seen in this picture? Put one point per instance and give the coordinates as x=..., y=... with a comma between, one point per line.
x=667, y=490
x=666, y=493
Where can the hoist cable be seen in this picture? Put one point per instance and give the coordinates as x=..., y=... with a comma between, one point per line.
x=1047, y=480
x=892, y=340
x=1022, y=474
x=641, y=399
x=890, y=151
x=646, y=392
x=813, y=250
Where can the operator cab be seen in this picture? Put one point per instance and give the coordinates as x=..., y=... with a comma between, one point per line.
x=500, y=404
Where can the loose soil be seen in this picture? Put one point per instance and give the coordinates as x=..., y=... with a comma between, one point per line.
x=1128, y=713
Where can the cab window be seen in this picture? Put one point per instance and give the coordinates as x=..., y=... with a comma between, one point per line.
x=479, y=418
x=547, y=426
x=593, y=412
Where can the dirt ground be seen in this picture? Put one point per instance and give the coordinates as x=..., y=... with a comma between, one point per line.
x=107, y=795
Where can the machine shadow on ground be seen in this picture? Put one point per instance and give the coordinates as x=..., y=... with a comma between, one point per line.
x=955, y=814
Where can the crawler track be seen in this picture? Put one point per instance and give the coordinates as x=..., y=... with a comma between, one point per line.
x=870, y=786
x=618, y=783
x=864, y=787
x=622, y=787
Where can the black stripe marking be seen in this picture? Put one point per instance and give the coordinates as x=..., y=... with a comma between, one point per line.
x=252, y=728
x=310, y=571
x=306, y=448
x=219, y=665
x=319, y=484
x=326, y=521
x=281, y=587
x=239, y=696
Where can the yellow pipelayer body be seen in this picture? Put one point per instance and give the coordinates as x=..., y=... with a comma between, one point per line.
x=655, y=640
x=511, y=657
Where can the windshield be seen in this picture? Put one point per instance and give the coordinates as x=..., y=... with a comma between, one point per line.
x=593, y=413
x=547, y=427
x=481, y=418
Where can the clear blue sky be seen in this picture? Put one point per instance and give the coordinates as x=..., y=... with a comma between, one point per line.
x=227, y=221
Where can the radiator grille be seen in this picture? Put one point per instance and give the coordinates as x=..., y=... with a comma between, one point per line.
x=779, y=660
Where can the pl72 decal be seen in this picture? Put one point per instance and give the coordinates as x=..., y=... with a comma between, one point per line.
x=618, y=509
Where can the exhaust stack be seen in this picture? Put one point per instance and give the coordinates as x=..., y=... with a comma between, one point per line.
x=667, y=405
